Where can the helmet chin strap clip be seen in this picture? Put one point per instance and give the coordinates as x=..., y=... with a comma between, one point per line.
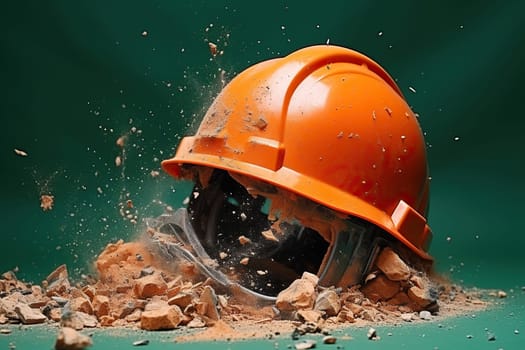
x=351, y=256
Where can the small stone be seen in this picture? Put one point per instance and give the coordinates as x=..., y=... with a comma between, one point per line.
x=516, y=331
x=299, y=295
x=147, y=271
x=90, y=291
x=28, y=315
x=419, y=296
x=309, y=315
x=371, y=334
x=244, y=240
x=310, y=277
x=20, y=152
x=141, y=342
x=213, y=48
x=151, y=285
x=5, y=331
x=57, y=282
x=106, y=321
x=355, y=308
x=306, y=344
x=425, y=315
x=381, y=288
x=70, y=339
x=491, y=336
x=329, y=339
x=87, y=320
x=328, y=302
x=100, y=305
x=182, y=300
x=55, y=314
x=268, y=235
x=196, y=322
x=165, y=318
x=392, y=266
x=502, y=294
x=209, y=297
x=134, y=316
x=46, y=202
x=407, y=317
x=81, y=304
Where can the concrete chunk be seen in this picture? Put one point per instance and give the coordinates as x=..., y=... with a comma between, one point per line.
x=381, y=288
x=328, y=302
x=150, y=285
x=392, y=266
x=28, y=315
x=161, y=319
x=299, y=295
x=70, y=339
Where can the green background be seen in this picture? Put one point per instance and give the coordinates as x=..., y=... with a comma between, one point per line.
x=76, y=75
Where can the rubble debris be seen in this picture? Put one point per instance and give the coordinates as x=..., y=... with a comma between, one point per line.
x=141, y=342
x=5, y=331
x=407, y=317
x=28, y=315
x=121, y=141
x=70, y=339
x=46, y=202
x=145, y=293
x=149, y=286
x=300, y=294
x=209, y=298
x=329, y=339
x=425, y=315
x=19, y=152
x=244, y=240
x=371, y=334
x=213, y=48
x=268, y=235
x=381, y=288
x=164, y=317
x=305, y=344
x=392, y=266
x=328, y=302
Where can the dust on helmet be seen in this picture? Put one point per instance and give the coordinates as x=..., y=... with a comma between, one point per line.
x=324, y=131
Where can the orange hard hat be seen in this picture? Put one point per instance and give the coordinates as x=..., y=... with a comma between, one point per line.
x=326, y=123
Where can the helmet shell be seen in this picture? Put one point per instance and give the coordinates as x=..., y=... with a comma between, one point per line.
x=329, y=124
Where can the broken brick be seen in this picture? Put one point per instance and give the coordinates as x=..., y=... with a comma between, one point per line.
x=381, y=288
x=165, y=318
x=148, y=286
x=28, y=315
